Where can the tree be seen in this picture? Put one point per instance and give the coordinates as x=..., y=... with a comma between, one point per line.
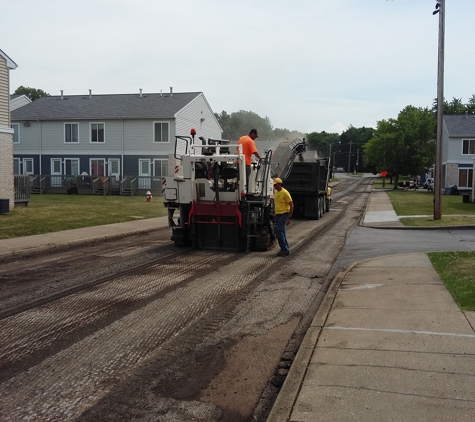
x=321, y=141
x=456, y=106
x=405, y=145
x=241, y=122
x=32, y=93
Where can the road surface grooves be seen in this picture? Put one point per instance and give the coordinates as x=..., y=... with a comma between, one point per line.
x=194, y=338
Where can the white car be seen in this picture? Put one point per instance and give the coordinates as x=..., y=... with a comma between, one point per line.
x=429, y=183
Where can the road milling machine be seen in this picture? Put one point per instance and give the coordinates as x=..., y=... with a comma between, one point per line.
x=210, y=202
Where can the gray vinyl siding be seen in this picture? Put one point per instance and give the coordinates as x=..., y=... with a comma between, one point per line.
x=4, y=94
x=136, y=136
x=139, y=137
x=190, y=117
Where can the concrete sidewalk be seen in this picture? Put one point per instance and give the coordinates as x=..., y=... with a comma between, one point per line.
x=388, y=343
x=379, y=212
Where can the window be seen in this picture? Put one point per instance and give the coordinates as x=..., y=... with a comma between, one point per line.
x=28, y=166
x=160, y=168
x=97, y=133
x=16, y=166
x=465, y=178
x=161, y=132
x=468, y=146
x=71, y=133
x=72, y=166
x=16, y=133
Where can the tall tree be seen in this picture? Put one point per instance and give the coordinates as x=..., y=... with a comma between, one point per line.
x=321, y=141
x=405, y=145
x=239, y=123
x=32, y=93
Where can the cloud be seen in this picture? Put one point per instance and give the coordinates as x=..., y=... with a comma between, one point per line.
x=338, y=127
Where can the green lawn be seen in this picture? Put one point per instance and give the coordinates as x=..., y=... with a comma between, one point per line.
x=457, y=269
x=420, y=202
x=50, y=213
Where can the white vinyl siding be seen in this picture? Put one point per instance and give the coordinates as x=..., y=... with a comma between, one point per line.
x=71, y=133
x=161, y=132
x=198, y=115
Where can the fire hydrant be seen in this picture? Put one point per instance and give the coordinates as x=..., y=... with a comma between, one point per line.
x=149, y=196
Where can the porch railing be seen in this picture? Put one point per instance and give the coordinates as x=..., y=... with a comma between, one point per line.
x=22, y=188
x=94, y=185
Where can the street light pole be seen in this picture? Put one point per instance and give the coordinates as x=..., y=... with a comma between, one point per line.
x=440, y=9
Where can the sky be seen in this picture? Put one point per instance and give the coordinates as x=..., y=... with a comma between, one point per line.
x=308, y=65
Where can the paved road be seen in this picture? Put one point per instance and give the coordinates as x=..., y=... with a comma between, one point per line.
x=365, y=242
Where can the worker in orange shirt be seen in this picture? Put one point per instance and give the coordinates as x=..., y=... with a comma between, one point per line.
x=249, y=149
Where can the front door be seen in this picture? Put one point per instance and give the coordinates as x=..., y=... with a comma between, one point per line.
x=98, y=167
x=114, y=171
x=56, y=170
x=145, y=173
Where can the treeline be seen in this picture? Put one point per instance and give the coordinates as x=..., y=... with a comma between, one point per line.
x=346, y=149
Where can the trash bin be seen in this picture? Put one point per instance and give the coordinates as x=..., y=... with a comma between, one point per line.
x=466, y=199
x=4, y=206
x=451, y=190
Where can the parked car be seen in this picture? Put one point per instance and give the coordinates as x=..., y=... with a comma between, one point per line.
x=429, y=184
x=339, y=170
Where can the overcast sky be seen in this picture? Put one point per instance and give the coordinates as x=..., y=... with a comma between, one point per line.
x=309, y=65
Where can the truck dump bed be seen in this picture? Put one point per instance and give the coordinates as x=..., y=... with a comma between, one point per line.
x=307, y=183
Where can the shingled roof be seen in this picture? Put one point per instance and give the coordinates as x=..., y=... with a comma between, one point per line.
x=113, y=106
x=460, y=125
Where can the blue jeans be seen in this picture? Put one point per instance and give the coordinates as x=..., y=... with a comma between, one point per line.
x=280, y=220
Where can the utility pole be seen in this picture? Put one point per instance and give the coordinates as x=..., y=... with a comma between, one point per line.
x=357, y=158
x=349, y=157
x=440, y=9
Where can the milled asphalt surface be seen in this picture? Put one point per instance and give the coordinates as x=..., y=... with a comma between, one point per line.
x=388, y=342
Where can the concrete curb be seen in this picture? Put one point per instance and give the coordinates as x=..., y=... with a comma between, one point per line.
x=283, y=406
x=387, y=226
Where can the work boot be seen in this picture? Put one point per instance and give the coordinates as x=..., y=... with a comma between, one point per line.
x=283, y=253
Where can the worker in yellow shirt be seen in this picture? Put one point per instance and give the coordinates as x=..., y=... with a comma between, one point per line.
x=329, y=198
x=284, y=208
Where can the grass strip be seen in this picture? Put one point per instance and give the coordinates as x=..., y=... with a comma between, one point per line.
x=457, y=269
x=49, y=213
